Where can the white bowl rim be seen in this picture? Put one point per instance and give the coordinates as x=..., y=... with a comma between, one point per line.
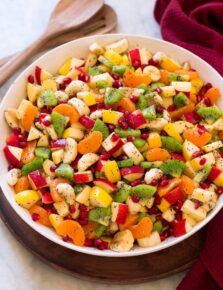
x=92, y=251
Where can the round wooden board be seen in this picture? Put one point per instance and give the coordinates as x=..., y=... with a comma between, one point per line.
x=130, y=270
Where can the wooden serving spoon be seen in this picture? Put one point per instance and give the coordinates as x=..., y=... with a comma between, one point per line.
x=67, y=15
x=102, y=22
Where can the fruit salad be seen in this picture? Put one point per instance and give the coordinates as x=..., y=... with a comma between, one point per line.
x=120, y=148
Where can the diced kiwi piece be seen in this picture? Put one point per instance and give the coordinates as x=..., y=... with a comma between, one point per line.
x=78, y=188
x=102, y=84
x=66, y=171
x=149, y=96
x=180, y=100
x=100, y=126
x=143, y=192
x=100, y=230
x=171, y=144
x=142, y=102
x=32, y=166
x=119, y=69
x=125, y=163
x=210, y=114
x=123, y=192
x=125, y=133
x=143, y=87
x=203, y=174
x=142, y=215
x=105, y=61
x=100, y=215
x=158, y=227
x=149, y=113
x=99, y=175
x=146, y=164
x=156, y=85
x=43, y=152
x=173, y=167
x=112, y=96
x=139, y=142
x=48, y=98
x=93, y=71
x=59, y=123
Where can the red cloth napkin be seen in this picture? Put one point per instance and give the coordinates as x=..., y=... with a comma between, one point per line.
x=196, y=25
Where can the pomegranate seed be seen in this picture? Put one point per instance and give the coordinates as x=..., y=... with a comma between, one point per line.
x=107, y=107
x=126, y=114
x=196, y=204
x=178, y=205
x=164, y=235
x=10, y=167
x=201, y=129
x=203, y=161
x=72, y=208
x=83, y=215
x=159, y=109
x=153, y=210
x=121, y=109
x=30, y=79
x=97, y=242
x=53, y=168
x=17, y=131
x=163, y=133
x=89, y=243
x=164, y=182
x=199, y=98
x=124, y=125
x=46, y=123
x=114, y=137
x=121, y=120
x=22, y=138
x=179, y=216
x=82, y=207
x=171, y=108
x=104, y=245
x=135, y=198
x=83, y=222
x=220, y=190
x=35, y=217
x=207, y=102
x=159, y=217
x=65, y=238
x=22, y=144
x=157, y=200
x=130, y=138
x=104, y=156
x=62, y=87
x=117, y=84
x=221, y=153
x=164, y=177
x=153, y=62
x=208, y=86
x=67, y=81
x=144, y=136
x=197, y=154
x=204, y=185
x=115, y=77
x=154, y=182
x=134, y=99
x=192, y=117
x=136, y=182
x=158, y=90
x=111, y=128
x=136, y=63
x=100, y=105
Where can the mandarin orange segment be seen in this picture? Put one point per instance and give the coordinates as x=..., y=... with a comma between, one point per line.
x=42, y=215
x=187, y=185
x=134, y=80
x=22, y=184
x=53, y=188
x=143, y=229
x=172, y=184
x=91, y=143
x=73, y=230
x=213, y=94
x=29, y=116
x=28, y=153
x=157, y=154
x=177, y=114
x=69, y=111
x=198, y=139
x=131, y=219
x=90, y=230
x=164, y=77
x=126, y=104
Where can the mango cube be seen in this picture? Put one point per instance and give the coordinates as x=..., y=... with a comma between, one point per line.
x=33, y=91
x=196, y=85
x=55, y=220
x=169, y=64
x=125, y=60
x=172, y=131
x=154, y=140
x=87, y=97
x=57, y=156
x=164, y=205
x=189, y=149
x=188, y=170
x=49, y=85
x=219, y=180
x=113, y=56
x=112, y=172
x=195, y=163
x=99, y=197
x=111, y=117
x=65, y=68
x=27, y=198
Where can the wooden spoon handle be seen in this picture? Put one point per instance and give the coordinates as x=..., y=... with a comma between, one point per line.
x=9, y=68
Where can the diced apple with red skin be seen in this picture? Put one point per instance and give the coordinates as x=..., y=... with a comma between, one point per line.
x=105, y=184
x=112, y=146
x=13, y=155
x=83, y=177
x=41, y=75
x=37, y=179
x=87, y=122
x=134, y=55
x=12, y=140
x=100, y=165
x=136, y=120
x=181, y=227
x=215, y=172
x=46, y=196
x=57, y=144
x=132, y=173
x=173, y=196
x=119, y=212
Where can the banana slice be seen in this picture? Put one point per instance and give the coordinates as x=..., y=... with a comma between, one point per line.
x=70, y=152
x=11, y=117
x=119, y=46
x=86, y=161
x=80, y=106
x=132, y=152
x=96, y=48
x=75, y=87
x=152, y=240
x=122, y=241
x=153, y=72
x=91, y=59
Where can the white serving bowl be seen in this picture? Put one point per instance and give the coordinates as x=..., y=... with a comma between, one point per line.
x=51, y=61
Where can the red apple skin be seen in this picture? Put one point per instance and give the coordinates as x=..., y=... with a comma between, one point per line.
x=132, y=170
x=80, y=177
x=135, y=55
x=38, y=74
x=46, y=196
x=214, y=173
x=87, y=122
x=105, y=184
x=179, y=228
x=136, y=119
x=57, y=144
x=12, y=140
x=118, y=145
x=99, y=166
x=11, y=158
x=122, y=213
x=37, y=179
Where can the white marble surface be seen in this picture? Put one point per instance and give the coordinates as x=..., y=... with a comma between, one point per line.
x=21, y=21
